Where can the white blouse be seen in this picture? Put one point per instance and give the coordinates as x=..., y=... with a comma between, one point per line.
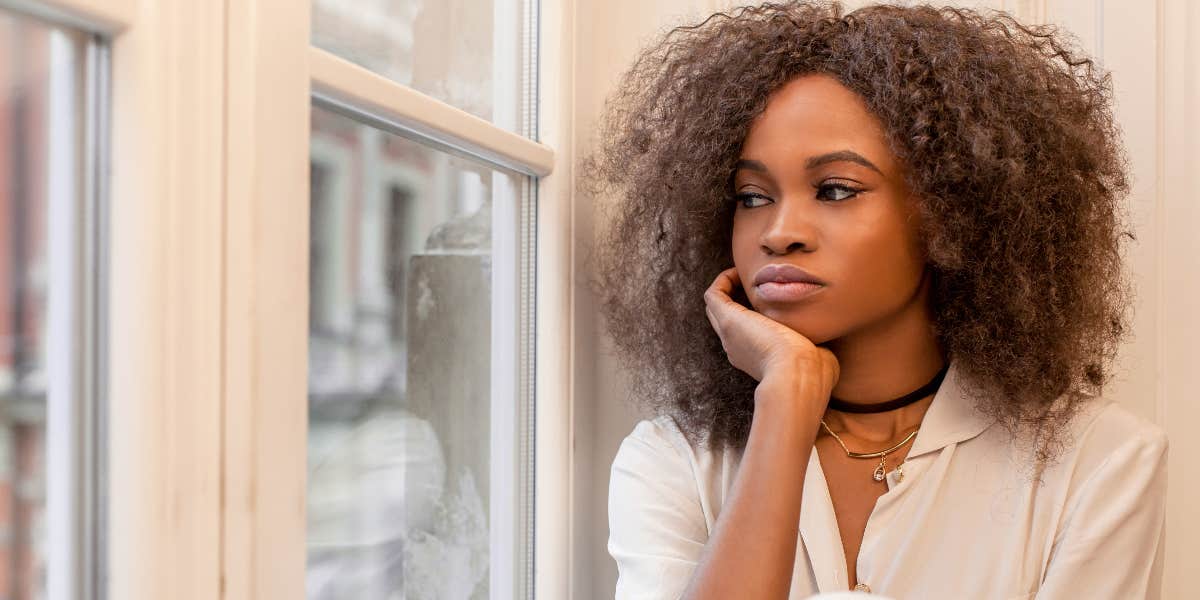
x=967, y=520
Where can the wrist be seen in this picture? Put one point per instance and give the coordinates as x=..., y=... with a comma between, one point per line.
x=789, y=398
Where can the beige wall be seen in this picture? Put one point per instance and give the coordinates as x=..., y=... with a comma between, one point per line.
x=1156, y=73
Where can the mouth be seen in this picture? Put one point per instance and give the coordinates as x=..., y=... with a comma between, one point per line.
x=787, y=291
x=786, y=283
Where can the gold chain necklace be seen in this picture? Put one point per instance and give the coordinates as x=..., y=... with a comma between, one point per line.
x=882, y=454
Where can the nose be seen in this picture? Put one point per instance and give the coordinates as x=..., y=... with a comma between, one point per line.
x=790, y=229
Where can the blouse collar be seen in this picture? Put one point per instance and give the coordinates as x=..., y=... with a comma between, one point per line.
x=953, y=415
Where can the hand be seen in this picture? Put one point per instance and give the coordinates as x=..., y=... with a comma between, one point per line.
x=762, y=347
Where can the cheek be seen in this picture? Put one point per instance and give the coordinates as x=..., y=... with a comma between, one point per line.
x=747, y=259
x=884, y=263
x=743, y=246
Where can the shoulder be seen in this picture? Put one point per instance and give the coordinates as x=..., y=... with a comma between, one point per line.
x=654, y=471
x=1109, y=451
x=659, y=429
x=1109, y=527
x=658, y=472
x=657, y=454
x=657, y=440
x=1104, y=430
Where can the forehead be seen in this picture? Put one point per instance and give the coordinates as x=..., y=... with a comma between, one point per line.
x=813, y=114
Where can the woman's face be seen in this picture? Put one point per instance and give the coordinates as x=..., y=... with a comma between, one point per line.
x=817, y=188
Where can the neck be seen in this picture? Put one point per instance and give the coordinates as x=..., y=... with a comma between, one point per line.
x=886, y=360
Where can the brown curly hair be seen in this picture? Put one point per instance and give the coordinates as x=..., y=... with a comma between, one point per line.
x=1010, y=144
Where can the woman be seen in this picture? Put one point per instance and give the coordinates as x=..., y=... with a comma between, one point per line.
x=866, y=269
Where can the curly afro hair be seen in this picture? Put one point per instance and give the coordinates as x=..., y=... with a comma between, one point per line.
x=1010, y=144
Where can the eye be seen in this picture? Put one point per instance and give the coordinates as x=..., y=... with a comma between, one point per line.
x=747, y=198
x=835, y=192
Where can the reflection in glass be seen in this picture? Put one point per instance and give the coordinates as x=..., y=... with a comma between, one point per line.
x=40, y=140
x=470, y=54
x=403, y=409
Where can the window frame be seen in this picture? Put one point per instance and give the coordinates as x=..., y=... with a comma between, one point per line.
x=74, y=450
x=207, y=414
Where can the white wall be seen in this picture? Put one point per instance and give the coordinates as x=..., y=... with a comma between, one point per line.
x=608, y=34
x=1156, y=74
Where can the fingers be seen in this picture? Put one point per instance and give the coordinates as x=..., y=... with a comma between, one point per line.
x=712, y=320
x=718, y=296
x=717, y=300
x=726, y=281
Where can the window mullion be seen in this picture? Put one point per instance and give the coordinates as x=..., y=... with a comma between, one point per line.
x=340, y=84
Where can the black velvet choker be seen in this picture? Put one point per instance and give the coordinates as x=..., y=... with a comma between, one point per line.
x=905, y=400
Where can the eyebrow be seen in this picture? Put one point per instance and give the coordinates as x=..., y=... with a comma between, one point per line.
x=815, y=161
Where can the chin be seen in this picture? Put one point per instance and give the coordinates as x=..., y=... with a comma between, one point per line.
x=805, y=322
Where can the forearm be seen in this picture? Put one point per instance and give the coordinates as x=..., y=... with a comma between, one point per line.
x=752, y=550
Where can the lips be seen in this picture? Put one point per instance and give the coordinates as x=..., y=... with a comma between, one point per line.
x=782, y=273
x=785, y=283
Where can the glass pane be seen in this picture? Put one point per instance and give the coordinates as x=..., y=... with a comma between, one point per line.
x=41, y=118
x=473, y=54
x=414, y=420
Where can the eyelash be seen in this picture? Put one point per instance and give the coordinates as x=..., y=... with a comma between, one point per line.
x=744, y=196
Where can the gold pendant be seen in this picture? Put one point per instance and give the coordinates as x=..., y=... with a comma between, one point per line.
x=879, y=472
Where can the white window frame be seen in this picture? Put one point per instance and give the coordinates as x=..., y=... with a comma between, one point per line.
x=207, y=308
x=72, y=488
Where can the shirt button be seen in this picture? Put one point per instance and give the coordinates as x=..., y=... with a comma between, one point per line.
x=862, y=587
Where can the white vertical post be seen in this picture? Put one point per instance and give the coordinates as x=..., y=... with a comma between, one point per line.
x=505, y=317
x=554, y=389
x=165, y=302
x=505, y=395
x=66, y=354
x=1179, y=291
x=265, y=329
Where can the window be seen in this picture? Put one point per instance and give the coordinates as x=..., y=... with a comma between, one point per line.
x=421, y=295
x=49, y=450
x=416, y=417
x=470, y=54
x=218, y=270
